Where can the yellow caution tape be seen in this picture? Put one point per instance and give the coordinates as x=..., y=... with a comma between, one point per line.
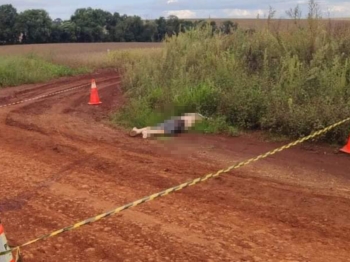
x=177, y=188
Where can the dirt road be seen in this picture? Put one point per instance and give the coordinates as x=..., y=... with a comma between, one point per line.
x=61, y=162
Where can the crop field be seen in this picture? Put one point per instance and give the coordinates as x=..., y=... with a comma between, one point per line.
x=72, y=48
x=92, y=55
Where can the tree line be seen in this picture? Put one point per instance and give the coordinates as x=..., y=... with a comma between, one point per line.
x=91, y=25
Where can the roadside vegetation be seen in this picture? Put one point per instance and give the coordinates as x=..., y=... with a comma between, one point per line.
x=287, y=82
x=28, y=69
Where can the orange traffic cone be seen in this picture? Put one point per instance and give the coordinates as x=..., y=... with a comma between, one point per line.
x=4, y=247
x=346, y=149
x=94, y=98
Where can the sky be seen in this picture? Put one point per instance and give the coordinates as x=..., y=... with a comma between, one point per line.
x=151, y=9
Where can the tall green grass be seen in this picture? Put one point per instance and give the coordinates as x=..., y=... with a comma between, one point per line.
x=287, y=82
x=16, y=70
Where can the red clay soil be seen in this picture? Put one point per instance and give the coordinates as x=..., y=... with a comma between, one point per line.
x=61, y=162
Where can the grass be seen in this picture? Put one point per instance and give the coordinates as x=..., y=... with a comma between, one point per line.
x=286, y=82
x=71, y=48
x=17, y=70
x=75, y=55
x=281, y=24
x=27, y=64
x=129, y=58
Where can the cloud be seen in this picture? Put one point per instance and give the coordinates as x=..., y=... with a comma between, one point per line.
x=242, y=13
x=339, y=10
x=184, y=8
x=181, y=13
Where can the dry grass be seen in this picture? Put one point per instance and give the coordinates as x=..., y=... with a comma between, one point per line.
x=72, y=48
x=281, y=23
x=92, y=55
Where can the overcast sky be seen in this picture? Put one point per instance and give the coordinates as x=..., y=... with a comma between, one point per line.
x=149, y=9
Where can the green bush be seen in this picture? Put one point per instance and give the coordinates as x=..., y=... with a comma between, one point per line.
x=287, y=82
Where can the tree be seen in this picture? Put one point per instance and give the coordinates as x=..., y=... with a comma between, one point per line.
x=111, y=23
x=150, y=32
x=91, y=24
x=213, y=25
x=35, y=25
x=134, y=29
x=57, y=21
x=228, y=26
x=8, y=17
x=114, y=28
x=173, y=25
x=64, y=32
x=56, y=32
x=68, y=32
x=162, y=28
x=185, y=25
